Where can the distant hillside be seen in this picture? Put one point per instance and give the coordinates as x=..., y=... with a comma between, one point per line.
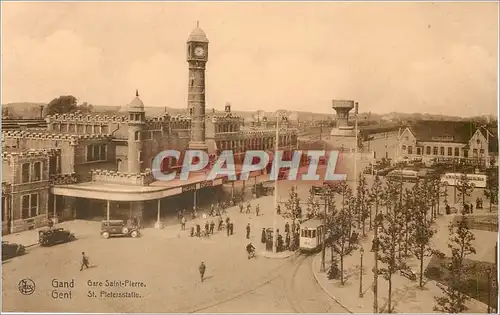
x=31, y=110
x=25, y=110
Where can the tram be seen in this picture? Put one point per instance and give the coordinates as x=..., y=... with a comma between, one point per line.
x=312, y=235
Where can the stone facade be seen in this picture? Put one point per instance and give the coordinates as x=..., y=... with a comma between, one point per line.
x=26, y=188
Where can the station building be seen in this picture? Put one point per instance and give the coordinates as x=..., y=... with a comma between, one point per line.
x=92, y=166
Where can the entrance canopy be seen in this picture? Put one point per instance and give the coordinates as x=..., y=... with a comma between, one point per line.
x=116, y=192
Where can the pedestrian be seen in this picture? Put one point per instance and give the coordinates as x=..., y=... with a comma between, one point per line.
x=198, y=230
x=241, y=207
x=202, y=269
x=471, y=208
x=249, y=208
x=192, y=231
x=231, y=224
x=263, y=238
x=280, y=243
x=207, y=227
x=183, y=223
x=220, y=223
x=228, y=228
x=85, y=262
x=278, y=209
x=248, y=230
x=212, y=227
x=287, y=241
x=257, y=210
x=287, y=227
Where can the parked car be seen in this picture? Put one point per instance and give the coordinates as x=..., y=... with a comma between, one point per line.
x=118, y=228
x=11, y=250
x=49, y=237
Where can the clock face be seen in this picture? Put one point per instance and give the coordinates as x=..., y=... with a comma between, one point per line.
x=199, y=51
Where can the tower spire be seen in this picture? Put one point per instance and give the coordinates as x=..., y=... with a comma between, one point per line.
x=137, y=92
x=197, y=23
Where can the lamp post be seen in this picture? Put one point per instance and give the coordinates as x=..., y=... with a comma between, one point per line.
x=361, y=251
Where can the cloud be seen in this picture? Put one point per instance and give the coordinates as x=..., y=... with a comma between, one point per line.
x=43, y=69
x=299, y=56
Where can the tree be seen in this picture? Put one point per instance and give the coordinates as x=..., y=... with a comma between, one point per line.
x=460, y=244
x=344, y=244
x=66, y=104
x=376, y=198
x=421, y=233
x=391, y=235
x=313, y=207
x=491, y=191
x=409, y=202
x=464, y=188
x=292, y=205
x=362, y=202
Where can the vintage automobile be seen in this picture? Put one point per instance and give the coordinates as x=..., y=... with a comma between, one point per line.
x=118, y=228
x=51, y=236
x=11, y=250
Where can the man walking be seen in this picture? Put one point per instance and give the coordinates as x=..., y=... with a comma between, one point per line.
x=212, y=227
x=183, y=223
x=248, y=231
x=85, y=262
x=257, y=210
x=202, y=269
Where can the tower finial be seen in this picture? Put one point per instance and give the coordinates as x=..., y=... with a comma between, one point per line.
x=137, y=92
x=197, y=23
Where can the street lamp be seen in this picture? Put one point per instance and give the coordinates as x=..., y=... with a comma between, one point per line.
x=361, y=251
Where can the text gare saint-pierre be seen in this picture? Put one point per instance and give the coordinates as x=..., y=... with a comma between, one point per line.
x=197, y=160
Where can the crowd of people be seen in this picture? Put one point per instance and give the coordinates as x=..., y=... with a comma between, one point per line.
x=290, y=241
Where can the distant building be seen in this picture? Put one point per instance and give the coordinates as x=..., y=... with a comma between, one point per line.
x=447, y=141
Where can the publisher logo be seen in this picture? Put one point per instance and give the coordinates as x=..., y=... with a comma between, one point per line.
x=26, y=286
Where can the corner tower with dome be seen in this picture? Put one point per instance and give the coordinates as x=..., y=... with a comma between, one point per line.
x=136, y=124
x=197, y=57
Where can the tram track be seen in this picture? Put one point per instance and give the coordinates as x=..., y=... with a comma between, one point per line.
x=299, y=291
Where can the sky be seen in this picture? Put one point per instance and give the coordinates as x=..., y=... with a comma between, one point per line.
x=439, y=58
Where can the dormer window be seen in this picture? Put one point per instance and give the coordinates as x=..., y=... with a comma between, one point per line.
x=478, y=141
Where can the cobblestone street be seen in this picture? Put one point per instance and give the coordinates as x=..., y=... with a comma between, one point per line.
x=166, y=261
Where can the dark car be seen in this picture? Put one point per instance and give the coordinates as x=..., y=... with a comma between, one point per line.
x=51, y=237
x=118, y=228
x=11, y=250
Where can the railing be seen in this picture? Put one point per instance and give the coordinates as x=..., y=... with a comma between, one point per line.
x=63, y=179
x=115, y=177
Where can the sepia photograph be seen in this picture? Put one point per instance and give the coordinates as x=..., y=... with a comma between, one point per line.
x=250, y=157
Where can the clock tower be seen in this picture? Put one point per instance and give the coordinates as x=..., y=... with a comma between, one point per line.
x=197, y=57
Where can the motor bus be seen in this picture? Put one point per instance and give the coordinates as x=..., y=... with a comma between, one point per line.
x=407, y=175
x=475, y=180
x=312, y=235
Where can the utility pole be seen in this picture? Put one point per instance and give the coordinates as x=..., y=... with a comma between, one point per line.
x=277, y=168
